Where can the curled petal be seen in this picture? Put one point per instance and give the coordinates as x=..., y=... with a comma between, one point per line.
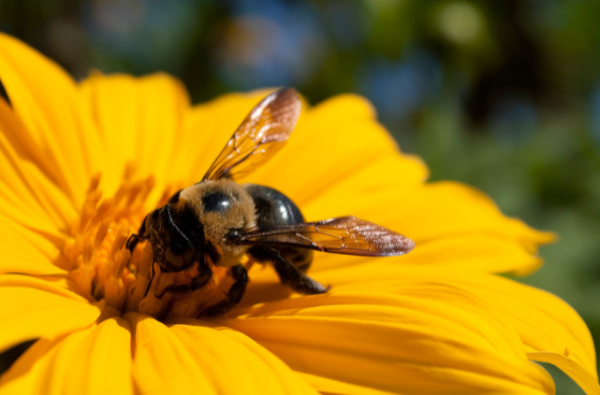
x=586, y=381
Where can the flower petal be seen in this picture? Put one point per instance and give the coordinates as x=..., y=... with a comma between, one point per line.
x=44, y=98
x=436, y=210
x=25, y=251
x=140, y=121
x=436, y=214
x=390, y=168
x=206, y=360
x=477, y=253
x=27, y=194
x=474, y=253
x=428, y=337
x=39, y=309
x=339, y=136
x=334, y=132
x=91, y=361
x=586, y=381
x=543, y=321
x=330, y=386
x=24, y=143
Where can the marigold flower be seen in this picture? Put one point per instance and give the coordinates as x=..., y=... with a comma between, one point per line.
x=437, y=320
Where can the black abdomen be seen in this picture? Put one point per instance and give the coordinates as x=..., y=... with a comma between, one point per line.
x=273, y=208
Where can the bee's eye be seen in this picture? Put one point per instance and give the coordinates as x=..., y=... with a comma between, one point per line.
x=178, y=248
x=216, y=202
x=179, y=259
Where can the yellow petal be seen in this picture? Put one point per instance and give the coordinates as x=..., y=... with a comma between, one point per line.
x=436, y=210
x=25, y=195
x=44, y=98
x=586, y=381
x=428, y=337
x=140, y=121
x=434, y=216
x=28, y=190
x=206, y=360
x=332, y=141
x=36, y=308
x=474, y=253
x=25, y=144
x=334, y=133
x=91, y=361
x=25, y=251
x=330, y=386
x=375, y=176
x=543, y=321
x=465, y=253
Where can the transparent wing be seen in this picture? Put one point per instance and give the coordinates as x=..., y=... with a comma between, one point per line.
x=260, y=136
x=344, y=235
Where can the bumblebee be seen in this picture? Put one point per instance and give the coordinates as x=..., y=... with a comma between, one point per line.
x=217, y=221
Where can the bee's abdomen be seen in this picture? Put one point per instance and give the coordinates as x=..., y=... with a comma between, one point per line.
x=273, y=208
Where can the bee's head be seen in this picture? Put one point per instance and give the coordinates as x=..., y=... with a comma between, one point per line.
x=174, y=246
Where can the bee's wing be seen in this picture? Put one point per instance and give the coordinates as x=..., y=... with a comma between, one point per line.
x=261, y=134
x=344, y=235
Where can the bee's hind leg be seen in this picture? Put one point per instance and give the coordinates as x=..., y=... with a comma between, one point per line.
x=288, y=274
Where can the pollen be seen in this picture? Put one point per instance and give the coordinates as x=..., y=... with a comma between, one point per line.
x=102, y=269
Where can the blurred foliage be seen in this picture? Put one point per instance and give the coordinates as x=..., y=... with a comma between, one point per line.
x=503, y=95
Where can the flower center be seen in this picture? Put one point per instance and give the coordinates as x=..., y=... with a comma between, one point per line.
x=103, y=269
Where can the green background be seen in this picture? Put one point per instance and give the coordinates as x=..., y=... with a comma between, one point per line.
x=503, y=95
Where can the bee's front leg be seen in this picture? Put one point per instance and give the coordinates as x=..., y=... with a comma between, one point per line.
x=203, y=277
x=234, y=296
x=132, y=242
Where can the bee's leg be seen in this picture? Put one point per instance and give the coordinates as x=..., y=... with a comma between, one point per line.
x=203, y=277
x=234, y=296
x=288, y=274
x=132, y=241
x=150, y=282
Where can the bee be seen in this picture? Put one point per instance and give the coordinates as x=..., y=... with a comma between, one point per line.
x=218, y=221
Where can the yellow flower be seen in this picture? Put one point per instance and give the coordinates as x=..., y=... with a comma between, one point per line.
x=437, y=320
